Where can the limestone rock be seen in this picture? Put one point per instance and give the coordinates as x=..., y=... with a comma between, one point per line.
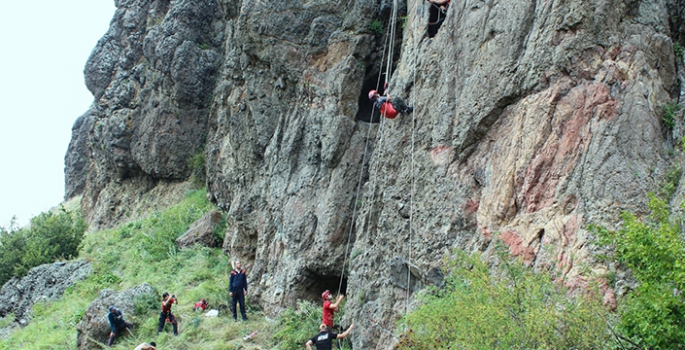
x=201, y=231
x=41, y=283
x=531, y=120
x=93, y=330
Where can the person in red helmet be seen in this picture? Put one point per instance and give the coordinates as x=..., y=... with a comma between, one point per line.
x=389, y=107
x=329, y=308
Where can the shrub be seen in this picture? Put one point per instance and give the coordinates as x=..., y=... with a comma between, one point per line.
x=376, y=27
x=670, y=183
x=52, y=235
x=670, y=110
x=506, y=307
x=198, y=174
x=653, y=250
x=296, y=326
x=678, y=49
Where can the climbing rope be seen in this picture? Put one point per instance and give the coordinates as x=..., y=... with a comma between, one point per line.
x=361, y=172
x=413, y=175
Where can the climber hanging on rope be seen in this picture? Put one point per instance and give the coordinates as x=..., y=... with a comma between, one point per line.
x=389, y=107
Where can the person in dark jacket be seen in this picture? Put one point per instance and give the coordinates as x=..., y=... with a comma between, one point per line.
x=117, y=324
x=324, y=340
x=237, y=289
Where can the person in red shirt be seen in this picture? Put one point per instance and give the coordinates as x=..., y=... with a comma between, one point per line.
x=389, y=107
x=166, y=315
x=329, y=308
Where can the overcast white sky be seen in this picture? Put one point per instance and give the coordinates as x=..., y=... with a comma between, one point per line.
x=44, y=45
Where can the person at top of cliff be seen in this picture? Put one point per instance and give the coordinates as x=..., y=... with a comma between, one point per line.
x=117, y=324
x=389, y=107
x=436, y=15
x=166, y=315
x=329, y=307
x=324, y=340
x=237, y=289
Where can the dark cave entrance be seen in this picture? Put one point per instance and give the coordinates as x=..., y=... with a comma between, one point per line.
x=375, y=75
x=436, y=16
x=366, y=112
x=314, y=283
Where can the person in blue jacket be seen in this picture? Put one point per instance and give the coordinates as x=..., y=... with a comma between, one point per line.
x=117, y=324
x=237, y=289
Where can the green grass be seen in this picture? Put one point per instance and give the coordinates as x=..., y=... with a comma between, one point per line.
x=145, y=251
x=507, y=306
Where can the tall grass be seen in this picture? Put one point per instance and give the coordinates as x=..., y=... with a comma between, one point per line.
x=508, y=307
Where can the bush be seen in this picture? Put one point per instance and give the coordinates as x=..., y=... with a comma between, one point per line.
x=198, y=174
x=52, y=235
x=508, y=307
x=670, y=110
x=376, y=27
x=296, y=326
x=678, y=49
x=651, y=315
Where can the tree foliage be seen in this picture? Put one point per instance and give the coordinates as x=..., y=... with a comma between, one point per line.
x=652, y=314
x=504, y=307
x=50, y=236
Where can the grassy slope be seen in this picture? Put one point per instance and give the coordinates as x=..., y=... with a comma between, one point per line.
x=145, y=251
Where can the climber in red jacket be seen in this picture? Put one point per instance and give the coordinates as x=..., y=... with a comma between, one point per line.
x=389, y=107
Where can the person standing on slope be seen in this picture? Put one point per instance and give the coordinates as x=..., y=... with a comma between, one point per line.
x=237, y=289
x=329, y=307
x=166, y=314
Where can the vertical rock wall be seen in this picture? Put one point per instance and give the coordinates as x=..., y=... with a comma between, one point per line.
x=532, y=119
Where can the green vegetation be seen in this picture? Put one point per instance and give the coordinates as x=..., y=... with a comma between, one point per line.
x=670, y=183
x=203, y=46
x=376, y=27
x=506, y=307
x=678, y=49
x=652, y=314
x=145, y=251
x=51, y=236
x=670, y=109
x=198, y=175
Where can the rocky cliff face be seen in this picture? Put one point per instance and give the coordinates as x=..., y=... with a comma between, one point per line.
x=531, y=120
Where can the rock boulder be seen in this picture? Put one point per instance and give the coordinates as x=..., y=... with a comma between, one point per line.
x=42, y=283
x=201, y=231
x=93, y=330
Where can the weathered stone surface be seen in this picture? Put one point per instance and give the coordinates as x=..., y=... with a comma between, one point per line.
x=201, y=231
x=152, y=76
x=93, y=330
x=42, y=283
x=532, y=119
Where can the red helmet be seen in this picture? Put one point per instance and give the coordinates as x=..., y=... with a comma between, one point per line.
x=372, y=93
x=325, y=294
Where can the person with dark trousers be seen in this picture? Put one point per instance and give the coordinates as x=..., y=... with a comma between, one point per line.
x=389, y=107
x=237, y=289
x=324, y=340
x=166, y=314
x=117, y=324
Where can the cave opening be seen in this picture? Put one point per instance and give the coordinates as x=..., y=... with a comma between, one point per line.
x=315, y=283
x=366, y=112
x=436, y=16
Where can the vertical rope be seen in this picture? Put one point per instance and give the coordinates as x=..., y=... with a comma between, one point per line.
x=413, y=176
x=361, y=172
